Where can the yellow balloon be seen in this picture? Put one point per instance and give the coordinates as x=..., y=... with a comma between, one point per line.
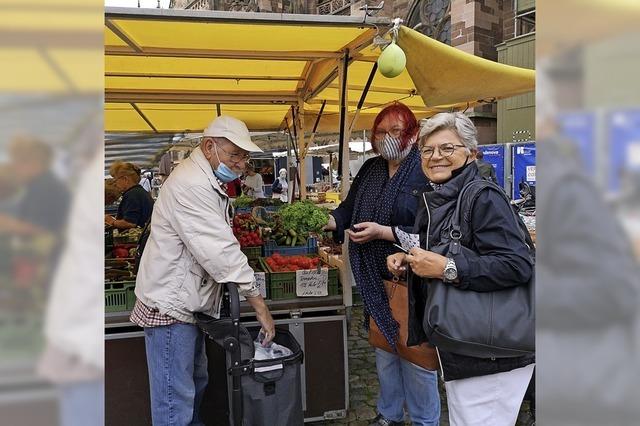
x=392, y=61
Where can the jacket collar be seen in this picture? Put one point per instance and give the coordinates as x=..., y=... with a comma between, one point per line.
x=133, y=187
x=197, y=156
x=449, y=190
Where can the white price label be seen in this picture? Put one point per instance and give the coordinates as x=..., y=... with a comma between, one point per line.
x=311, y=283
x=531, y=173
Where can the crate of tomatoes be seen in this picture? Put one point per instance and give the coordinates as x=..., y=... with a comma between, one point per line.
x=282, y=274
x=249, y=235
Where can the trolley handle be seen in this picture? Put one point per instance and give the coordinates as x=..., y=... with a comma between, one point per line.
x=234, y=301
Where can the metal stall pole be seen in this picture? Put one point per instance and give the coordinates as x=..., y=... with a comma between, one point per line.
x=294, y=140
x=363, y=96
x=343, y=159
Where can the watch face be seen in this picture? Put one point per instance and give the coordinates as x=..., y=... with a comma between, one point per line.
x=450, y=274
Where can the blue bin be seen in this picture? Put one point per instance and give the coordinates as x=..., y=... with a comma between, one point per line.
x=243, y=210
x=311, y=248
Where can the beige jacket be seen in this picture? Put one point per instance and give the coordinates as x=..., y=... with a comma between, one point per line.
x=191, y=249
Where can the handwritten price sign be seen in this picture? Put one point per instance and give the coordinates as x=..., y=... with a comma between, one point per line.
x=311, y=283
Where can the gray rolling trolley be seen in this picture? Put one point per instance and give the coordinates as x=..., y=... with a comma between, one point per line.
x=264, y=392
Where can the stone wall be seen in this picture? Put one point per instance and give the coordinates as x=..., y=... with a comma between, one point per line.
x=477, y=26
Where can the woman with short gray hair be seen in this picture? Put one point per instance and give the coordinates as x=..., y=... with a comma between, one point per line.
x=457, y=122
x=493, y=256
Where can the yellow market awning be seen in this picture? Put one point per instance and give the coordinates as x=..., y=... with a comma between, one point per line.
x=445, y=75
x=174, y=71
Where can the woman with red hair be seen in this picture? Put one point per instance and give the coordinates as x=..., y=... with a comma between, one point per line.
x=381, y=207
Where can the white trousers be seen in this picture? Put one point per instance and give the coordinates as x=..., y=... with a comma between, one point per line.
x=493, y=400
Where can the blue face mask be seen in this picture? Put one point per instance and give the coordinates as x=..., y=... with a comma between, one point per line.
x=223, y=172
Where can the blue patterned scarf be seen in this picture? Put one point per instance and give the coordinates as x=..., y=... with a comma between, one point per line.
x=374, y=202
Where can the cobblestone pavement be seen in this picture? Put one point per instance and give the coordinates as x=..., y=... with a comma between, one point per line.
x=363, y=381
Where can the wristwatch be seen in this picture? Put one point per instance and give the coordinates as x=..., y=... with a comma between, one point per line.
x=450, y=270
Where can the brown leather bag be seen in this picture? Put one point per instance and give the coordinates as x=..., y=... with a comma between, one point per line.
x=422, y=355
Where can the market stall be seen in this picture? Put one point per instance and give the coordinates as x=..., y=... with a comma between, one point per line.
x=171, y=71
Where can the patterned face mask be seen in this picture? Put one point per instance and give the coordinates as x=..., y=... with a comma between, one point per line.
x=390, y=148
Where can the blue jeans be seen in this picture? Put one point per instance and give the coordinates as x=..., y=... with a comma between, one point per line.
x=178, y=375
x=404, y=382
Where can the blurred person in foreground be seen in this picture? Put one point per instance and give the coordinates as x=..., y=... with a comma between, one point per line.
x=485, y=169
x=480, y=391
x=136, y=205
x=73, y=358
x=383, y=198
x=588, y=290
x=190, y=254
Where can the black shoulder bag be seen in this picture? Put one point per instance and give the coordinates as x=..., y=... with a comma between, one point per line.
x=494, y=324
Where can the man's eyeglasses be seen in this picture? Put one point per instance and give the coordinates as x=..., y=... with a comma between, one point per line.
x=446, y=150
x=395, y=132
x=235, y=157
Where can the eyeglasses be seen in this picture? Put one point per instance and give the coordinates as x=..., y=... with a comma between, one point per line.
x=235, y=157
x=445, y=150
x=395, y=132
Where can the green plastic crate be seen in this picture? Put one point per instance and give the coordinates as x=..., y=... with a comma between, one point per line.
x=282, y=285
x=252, y=253
x=119, y=296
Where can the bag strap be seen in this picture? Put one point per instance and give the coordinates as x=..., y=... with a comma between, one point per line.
x=478, y=185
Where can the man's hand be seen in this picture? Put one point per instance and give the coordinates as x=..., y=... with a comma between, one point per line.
x=396, y=264
x=426, y=264
x=264, y=318
x=365, y=231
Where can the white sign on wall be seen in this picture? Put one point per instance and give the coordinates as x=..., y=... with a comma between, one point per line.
x=531, y=173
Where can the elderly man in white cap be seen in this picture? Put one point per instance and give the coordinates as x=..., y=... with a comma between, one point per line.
x=190, y=253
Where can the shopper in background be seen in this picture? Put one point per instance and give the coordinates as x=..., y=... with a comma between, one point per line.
x=479, y=391
x=191, y=253
x=145, y=181
x=165, y=166
x=384, y=196
x=111, y=192
x=234, y=188
x=136, y=205
x=253, y=183
x=485, y=169
x=280, y=186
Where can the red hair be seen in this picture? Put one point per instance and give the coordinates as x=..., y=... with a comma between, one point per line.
x=397, y=112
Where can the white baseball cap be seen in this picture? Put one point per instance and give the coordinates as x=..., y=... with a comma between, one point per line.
x=234, y=130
